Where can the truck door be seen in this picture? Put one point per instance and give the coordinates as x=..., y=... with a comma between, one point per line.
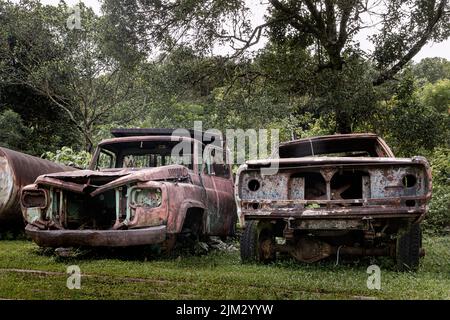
x=218, y=182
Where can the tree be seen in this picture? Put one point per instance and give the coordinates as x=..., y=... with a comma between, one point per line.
x=432, y=69
x=327, y=28
x=68, y=67
x=13, y=133
x=37, y=112
x=437, y=96
x=414, y=128
x=179, y=88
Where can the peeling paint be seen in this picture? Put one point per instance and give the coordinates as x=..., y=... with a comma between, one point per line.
x=320, y=202
x=114, y=203
x=16, y=171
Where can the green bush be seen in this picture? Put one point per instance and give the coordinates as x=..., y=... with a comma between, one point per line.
x=69, y=157
x=13, y=133
x=438, y=218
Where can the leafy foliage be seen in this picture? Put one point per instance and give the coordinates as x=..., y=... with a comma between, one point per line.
x=431, y=70
x=439, y=213
x=13, y=133
x=155, y=64
x=326, y=29
x=78, y=76
x=415, y=127
x=437, y=96
x=69, y=157
x=37, y=112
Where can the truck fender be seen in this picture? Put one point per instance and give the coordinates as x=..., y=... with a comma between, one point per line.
x=180, y=217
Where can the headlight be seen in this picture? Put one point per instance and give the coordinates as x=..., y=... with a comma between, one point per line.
x=34, y=199
x=149, y=198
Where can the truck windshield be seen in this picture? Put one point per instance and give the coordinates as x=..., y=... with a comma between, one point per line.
x=141, y=154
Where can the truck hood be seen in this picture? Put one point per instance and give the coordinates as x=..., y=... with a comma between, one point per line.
x=96, y=182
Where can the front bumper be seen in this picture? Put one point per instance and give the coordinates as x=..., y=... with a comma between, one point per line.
x=356, y=218
x=344, y=213
x=96, y=238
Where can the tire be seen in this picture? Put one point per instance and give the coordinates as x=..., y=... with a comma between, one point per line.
x=256, y=236
x=408, y=248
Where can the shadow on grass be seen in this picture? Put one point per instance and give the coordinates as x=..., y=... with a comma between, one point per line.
x=435, y=261
x=136, y=254
x=14, y=233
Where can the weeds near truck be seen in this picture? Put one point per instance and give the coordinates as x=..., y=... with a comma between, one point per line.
x=26, y=273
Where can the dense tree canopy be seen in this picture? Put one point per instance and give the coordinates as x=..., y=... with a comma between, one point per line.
x=77, y=76
x=326, y=28
x=162, y=64
x=151, y=63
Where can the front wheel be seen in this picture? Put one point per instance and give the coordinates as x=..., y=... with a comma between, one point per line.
x=408, y=248
x=258, y=243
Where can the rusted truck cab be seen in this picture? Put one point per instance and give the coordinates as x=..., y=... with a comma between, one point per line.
x=334, y=195
x=136, y=192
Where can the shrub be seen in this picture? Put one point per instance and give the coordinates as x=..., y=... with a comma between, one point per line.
x=438, y=218
x=13, y=133
x=69, y=157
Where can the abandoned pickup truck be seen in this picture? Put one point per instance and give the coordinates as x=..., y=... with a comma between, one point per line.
x=136, y=192
x=334, y=195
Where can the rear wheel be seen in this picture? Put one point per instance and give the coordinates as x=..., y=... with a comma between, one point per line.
x=408, y=248
x=258, y=243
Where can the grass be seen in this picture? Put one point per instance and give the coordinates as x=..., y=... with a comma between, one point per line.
x=218, y=275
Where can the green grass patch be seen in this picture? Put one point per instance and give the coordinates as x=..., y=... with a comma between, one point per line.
x=218, y=275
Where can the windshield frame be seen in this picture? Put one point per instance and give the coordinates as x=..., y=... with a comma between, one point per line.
x=101, y=148
x=305, y=147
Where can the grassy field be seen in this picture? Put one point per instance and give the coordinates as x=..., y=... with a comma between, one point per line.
x=27, y=272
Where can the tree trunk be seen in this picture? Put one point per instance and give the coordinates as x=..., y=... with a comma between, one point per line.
x=343, y=122
x=88, y=145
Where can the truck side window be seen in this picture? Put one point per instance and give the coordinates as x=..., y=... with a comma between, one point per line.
x=215, y=164
x=221, y=170
x=207, y=165
x=106, y=160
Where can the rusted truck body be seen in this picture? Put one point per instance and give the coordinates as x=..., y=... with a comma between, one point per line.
x=16, y=171
x=334, y=195
x=134, y=193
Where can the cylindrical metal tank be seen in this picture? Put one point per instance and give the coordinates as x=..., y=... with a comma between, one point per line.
x=16, y=171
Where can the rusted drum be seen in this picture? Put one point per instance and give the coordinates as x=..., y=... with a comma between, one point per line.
x=16, y=171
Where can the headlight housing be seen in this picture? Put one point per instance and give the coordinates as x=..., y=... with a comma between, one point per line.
x=34, y=199
x=147, y=198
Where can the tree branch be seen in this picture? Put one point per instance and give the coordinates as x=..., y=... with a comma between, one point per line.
x=389, y=74
x=300, y=23
x=345, y=16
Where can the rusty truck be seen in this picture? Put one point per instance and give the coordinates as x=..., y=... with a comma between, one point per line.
x=137, y=191
x=344, y=194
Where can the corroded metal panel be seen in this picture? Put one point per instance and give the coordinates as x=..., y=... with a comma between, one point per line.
x=16, y=171
x=389, y=181
x=273, y=187
x=104, y=207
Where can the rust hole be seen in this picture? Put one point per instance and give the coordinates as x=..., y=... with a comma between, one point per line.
x=254, y=185
x=409, y=181
x=410, y=203
x=255, y=206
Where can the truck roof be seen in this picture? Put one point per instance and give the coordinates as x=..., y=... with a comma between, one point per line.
x=204, y=137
